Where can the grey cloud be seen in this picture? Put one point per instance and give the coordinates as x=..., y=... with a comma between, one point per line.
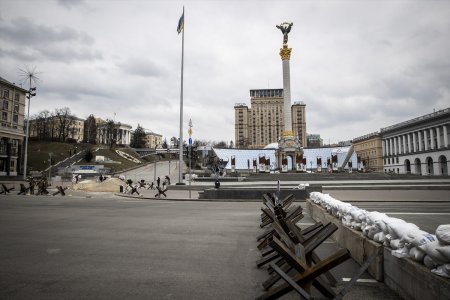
x=37, y=41
x=70, y=3
x=26, y=32
x=141, y=67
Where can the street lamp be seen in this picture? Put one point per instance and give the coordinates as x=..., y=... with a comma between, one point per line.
x=31, y=93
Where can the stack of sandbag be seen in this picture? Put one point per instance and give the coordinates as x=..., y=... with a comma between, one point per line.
x=406, y=239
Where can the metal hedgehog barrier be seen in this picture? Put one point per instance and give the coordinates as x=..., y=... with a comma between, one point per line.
x=288, y=252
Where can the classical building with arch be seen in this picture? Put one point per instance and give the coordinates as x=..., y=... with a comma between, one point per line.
x=418, y=146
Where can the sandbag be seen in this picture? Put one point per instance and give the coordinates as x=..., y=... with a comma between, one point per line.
x=445, y=251
x=430, y=248
x=443, y=234
x=379, y=237
x=416, y=254
x=401, y=252
x=396, y=244
x=443, y=271
x=428, y=262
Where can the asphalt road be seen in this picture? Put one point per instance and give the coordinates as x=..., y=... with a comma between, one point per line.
x=109, y=247
x=124, y=248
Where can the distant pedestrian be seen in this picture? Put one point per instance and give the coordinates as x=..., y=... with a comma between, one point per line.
x=101, y=178
x=76, y=179
x=168, y=179
x=158, y=181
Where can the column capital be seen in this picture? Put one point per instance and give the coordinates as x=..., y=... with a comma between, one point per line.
x=285, y=52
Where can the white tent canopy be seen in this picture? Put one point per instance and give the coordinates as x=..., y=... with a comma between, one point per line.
x=244, y=157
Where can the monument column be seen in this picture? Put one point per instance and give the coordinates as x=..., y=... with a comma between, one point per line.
x=285, y=54
x=289, y=145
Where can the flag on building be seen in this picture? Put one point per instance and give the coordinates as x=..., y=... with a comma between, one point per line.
x=181, y=23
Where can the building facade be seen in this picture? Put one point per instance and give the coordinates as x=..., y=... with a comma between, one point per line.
x=262, y=123
x=418, y=146
x=313, y=141
x=119, y=133
x=152, y=140
x=12, y=130
x=54, y=128
x=369, y=151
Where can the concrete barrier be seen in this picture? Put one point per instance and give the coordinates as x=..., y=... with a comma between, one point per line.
x=411, y=280
x=255, y=193
x=359, y=246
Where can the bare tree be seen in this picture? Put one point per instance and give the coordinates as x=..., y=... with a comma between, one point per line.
x=90, y=130
x=65, y=122
x=111, y=134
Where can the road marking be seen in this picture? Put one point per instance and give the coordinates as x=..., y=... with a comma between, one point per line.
x=413, y=213
x=363, y=280
x=140, y=201
x=305, y=224
x=53, y=251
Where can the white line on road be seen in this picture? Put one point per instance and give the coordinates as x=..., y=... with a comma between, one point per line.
x=364, y=280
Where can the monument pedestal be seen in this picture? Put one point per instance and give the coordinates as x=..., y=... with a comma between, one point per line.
x=288, y=146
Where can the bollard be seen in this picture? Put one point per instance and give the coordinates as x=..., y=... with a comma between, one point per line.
x=121, y=188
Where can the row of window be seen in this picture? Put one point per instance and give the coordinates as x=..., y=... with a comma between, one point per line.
x=15, y=118
x=5, y=105
x=7, y=92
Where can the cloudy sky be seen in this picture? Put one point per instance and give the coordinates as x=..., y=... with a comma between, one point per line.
x=358, y=65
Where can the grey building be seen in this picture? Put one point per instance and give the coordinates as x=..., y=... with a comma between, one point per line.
x=418, y=146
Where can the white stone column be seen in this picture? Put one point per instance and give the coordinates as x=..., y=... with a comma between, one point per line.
x=419, y=138
x=384, y=147
x=391, y=146
x=287, y=96
x=395, y=146
x=414, y=142
x=432, y=145
x=425, y=139
x=404, y=143
x=409, y=143
x=444, y=130
x=438, y=138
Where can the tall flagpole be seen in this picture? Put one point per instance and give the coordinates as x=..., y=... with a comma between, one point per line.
x=180, y=171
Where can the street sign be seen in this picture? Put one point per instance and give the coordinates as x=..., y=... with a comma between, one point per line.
x=190, y=141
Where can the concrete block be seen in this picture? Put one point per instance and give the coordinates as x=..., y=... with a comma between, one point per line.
x=359, y=246
x=255, y=193
x=412, y=280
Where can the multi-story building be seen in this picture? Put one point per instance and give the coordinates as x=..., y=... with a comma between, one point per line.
x=11, y=127
x=262, y=123
x=57, y=128
x=418, y=146
x=369, y=150
x=152, y=140
x=313, y=141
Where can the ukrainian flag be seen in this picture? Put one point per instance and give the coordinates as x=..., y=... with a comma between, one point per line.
x=181, y=23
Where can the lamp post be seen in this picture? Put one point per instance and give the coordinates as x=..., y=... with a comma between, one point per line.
x=31, y=94
x=154, y=176
x=50, y=154
x=168, y=153
x=190, y=155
